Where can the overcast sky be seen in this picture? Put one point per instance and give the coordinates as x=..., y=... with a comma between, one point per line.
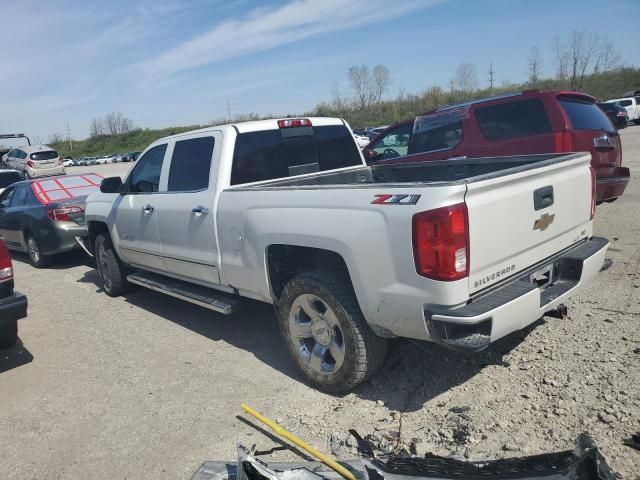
x=177, y=62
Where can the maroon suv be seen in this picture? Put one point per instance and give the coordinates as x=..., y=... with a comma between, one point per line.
x=517, y=124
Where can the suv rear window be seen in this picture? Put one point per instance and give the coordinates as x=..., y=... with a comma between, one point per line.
x=625, y=103
x=514, y=119
x=271, y=154
x=585, y=115
x=48, y=155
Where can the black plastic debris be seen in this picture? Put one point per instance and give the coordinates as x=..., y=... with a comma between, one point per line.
x=585, y=462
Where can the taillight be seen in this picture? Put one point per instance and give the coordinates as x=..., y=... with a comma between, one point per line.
x=60, y=160
x=593, y=192
x=62, y=214
x=31, y=163
x=563, y=142
x=441, y=243
x=6, y=267
x=621, y=114
x=294, y=122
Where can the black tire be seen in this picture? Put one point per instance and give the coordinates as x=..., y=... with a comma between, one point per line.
x=36, y=257
x=363, y=351
x=113, y=273
x=8, y=334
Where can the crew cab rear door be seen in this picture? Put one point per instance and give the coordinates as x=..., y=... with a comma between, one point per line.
x=521, y=216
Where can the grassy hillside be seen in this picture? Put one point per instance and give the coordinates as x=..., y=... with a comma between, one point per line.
x=602, y=86
x=133, y=141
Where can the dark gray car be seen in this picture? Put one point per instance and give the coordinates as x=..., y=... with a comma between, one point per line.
x=42, y=217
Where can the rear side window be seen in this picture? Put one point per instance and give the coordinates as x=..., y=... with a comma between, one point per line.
x=7, y=178
x=585, y=115
x=20, y=196
x=65, y=188
x=513, y=120
x=191, y=164
x=271, y=154
x=48, y=155
x=438, y=131
x=625, y=103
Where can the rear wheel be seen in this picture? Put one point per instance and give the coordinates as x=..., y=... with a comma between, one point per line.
x=112, y=271
x=36, y=258
x=8, y=334
x=325, y=332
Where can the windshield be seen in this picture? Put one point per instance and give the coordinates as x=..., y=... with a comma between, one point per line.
x=7, y=178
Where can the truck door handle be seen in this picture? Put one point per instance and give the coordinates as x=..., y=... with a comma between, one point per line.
x=147, y=209
x=200, y=210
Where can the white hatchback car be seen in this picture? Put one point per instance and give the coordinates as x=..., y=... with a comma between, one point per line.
x=35, y=161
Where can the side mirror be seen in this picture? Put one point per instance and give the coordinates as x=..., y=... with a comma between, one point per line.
x=369, y=154
x=111, y=185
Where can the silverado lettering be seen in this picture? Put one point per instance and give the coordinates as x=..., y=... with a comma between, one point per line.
x=494, y=276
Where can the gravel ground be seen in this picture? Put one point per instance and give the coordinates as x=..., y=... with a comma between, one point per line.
x=144, y=386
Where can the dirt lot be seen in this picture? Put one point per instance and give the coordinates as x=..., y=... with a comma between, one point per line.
x=149, y=387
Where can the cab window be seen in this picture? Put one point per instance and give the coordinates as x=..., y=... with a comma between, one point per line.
x=145, y=177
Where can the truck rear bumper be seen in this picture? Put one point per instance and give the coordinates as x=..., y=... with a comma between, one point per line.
x=611, y=187
x=518, y=303
x=13, y=308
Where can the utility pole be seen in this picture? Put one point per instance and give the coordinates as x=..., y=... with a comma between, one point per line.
x=69, y=137
x=229, y=110
x=491, y=74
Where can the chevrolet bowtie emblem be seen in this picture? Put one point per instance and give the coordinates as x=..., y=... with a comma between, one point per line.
x=544, y=221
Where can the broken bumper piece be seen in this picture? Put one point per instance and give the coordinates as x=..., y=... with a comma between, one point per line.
x=586, y=462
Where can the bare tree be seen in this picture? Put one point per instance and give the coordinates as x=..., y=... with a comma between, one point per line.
x=534, y=66
x=607, y=57
x=96, y=128
x=583, y=53
x=338, y=102
x=55, y=138
x=466, y=79
x=435, y=97
x=360, y=81
x=115, y=123
x=381, y=81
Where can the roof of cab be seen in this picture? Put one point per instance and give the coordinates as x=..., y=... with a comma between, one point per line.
x=255, y=126
x=35, y=148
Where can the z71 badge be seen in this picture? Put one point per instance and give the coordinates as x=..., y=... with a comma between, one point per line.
x=388, y=199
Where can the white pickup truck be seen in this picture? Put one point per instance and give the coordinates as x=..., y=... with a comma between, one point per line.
x=461, y=252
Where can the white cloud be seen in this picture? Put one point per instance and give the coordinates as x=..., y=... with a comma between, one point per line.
x=265, y=28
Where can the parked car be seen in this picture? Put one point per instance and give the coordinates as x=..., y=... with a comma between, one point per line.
x=7, y=177
x=361, y=140
x=632, y=105
x=133, y=156
x=42, y=217
x=69, y=162
x=524, y=123
x=632, y=93
x=13, y=305
x=374, y=132
x=617, y=114
x=285, y=211
x=35, y=161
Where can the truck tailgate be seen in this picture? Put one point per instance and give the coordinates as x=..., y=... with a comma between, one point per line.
x=519, y=219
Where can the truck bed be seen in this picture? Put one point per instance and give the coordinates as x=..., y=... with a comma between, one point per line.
x=450, y=171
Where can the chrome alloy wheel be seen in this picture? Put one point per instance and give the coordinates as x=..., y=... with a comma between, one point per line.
x=316, y=333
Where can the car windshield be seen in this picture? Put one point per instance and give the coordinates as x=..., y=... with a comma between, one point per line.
x=7, y=178
x=46, y=155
